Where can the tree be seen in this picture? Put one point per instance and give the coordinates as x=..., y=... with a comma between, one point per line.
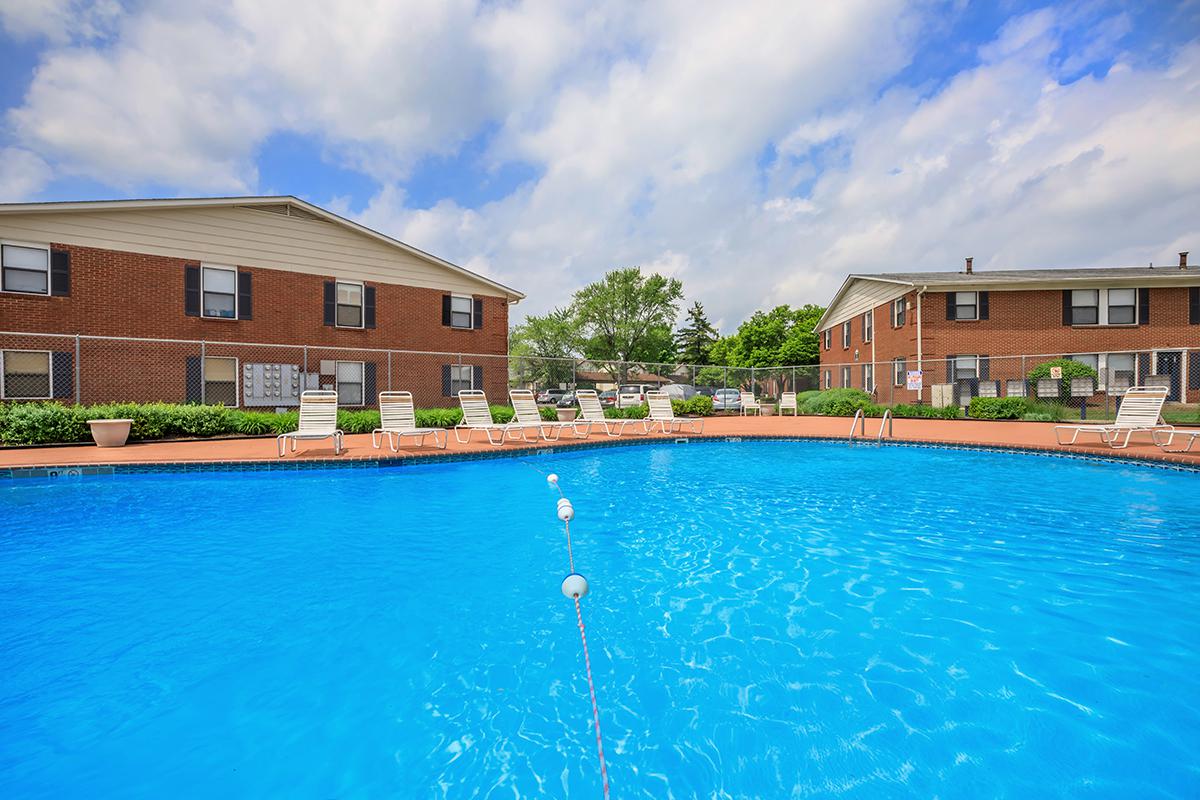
x=544, y=348
x=696, y=338
x=627, y=316
x=782, y=336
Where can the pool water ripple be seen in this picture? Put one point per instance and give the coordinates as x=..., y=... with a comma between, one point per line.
x=766, y=620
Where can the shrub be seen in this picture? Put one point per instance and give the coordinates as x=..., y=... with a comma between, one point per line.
x=835, y=402
x=998, y=407
x=43, y=423
x=698, y=406
x=632, y=412
x=1070, y=369
x=909, y=411
x=358, y=421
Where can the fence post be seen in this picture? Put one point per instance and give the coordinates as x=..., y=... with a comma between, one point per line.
x=752, y=380
x=574, y=386
x=305, y=367
x=203, y=399
x=78, y=386
x=389, y=370
x=725, y=378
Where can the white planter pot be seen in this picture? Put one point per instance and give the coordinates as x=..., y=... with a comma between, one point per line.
x=567, y=414
x=110, y=432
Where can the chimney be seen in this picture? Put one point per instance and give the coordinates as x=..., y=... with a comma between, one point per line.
x=1183, y=260
x=969, y=260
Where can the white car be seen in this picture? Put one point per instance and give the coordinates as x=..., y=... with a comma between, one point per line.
x=632, y=394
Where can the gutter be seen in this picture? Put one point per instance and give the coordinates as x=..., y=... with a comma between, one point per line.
x=920, y=339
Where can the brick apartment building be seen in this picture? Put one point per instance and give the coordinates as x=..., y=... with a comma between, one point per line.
x=969, y=329
x=322, y=299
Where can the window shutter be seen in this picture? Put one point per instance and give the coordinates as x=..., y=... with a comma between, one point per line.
x=949, y=369
x=62, y=366
x=1066, y=306
x=60, y=273
x=1194, y=370
x=950, y=305
x=193, y=380
x=191, y=290
x=370, y=393
x=477, y=378
x=446, y=380
x=331, y=303
x=368, y=306
x=446, y=310
x=894, y=307
x=1194, y=305
x=985, y=366
x=983, y=305
x=1143, y=306
x=245, y=295
x=478, y=315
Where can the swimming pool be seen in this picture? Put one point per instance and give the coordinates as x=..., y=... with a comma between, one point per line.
x=766, y=620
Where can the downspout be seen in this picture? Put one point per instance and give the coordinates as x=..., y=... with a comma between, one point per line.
x=920, y=341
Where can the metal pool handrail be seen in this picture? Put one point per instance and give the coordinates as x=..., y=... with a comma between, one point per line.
x=887, y=420
x=860, y=419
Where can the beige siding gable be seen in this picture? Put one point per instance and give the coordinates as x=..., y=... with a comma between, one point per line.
x=860, y=297
x=244, y=236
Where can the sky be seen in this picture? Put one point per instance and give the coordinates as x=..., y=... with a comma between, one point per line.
x=759, y=151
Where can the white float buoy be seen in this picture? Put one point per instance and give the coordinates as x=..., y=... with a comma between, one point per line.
x=552, y=479
x=574, y=585
x=566, y=511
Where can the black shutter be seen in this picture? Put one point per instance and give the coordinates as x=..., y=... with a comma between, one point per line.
x=950, y=305
x=368, y=306
x=478, y=313
x=446, y=381
x=985, y=367
x=477, y=378
x=983, y=305
x=331, y=303
x=1143, y=368
x=1066, y=306
x=949, y=369
x=63, y=369
x=193, y=381
x=1194, y=370
x=446, y=309
x=245, y=295
x=60, y=273
x=370, y=392
x=191, y=290
x=1194, y=305
x=1143, y=306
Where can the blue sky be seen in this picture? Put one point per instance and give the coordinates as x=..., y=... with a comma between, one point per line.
x=759, y=153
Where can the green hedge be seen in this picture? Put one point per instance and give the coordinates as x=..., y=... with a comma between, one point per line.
x=698, y=406
x=834, y=402
x=48, y=423
x=1070, y=369
x=1014, y=408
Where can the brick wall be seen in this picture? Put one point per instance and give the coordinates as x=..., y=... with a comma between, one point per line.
x=136, y=295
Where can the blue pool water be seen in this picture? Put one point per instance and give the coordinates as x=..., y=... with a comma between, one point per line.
x=767, y=620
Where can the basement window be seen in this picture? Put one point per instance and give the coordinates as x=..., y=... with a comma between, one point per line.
x=26, y=375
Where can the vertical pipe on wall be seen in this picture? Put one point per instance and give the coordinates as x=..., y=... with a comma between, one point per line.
x=203, y=399
x=78, y=387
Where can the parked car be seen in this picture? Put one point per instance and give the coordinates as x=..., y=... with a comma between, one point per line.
x=549, y=397
x=567, y=400
x=727, y=400
x=632, y=394
x=680, y=391
x=707, y=391
x=608, y=399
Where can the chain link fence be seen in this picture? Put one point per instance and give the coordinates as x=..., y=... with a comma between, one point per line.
x=97, y=369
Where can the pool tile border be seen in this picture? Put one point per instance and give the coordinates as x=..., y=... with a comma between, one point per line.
x=557, y=448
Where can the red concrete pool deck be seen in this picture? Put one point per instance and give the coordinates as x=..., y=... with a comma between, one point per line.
x=1026, y=435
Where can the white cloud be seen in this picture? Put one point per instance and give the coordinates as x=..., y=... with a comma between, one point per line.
x=22, y=174
x=59, y=20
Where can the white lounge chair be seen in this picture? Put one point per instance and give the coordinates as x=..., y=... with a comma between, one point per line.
x=477, y=416
x=1191, y=436
x=526, y=412
x=1140, y=412
x=662, y=414
x=787, y=402
x=591, y=410
x=398, y=418
x=318, y=420
x=749, y=403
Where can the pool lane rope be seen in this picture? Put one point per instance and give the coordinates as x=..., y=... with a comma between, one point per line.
x=575, y=586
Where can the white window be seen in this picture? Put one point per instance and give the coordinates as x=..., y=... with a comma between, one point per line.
x=846, y=376
x=966, y=367
x=899, y=310
x=828, y=379
x=462, y=376
x=899, y=372
x=220, y=380
x=349, y=382
x=846, y=335
x=218, y=286
x=828, y=338
x=966, y=305
x=1085, y=307
x=868, y=325
x=1122, y=306
x=26, y=269
x=1092, y=361
x=1120, y=371
x=26, y=375
x=868, y=376
x=349, y=305
x=462, y=311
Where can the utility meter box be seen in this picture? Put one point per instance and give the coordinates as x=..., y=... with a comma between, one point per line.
x=942, y=395
x=274, y=385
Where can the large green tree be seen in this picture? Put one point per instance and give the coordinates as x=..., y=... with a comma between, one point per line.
x=696, y=338
x=627, y=316
x=544, y=348
x=779, y=337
